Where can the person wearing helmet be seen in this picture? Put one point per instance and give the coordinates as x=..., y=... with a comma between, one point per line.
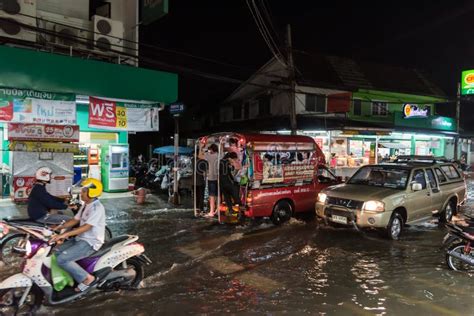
x=41, y=202
x=89, y=236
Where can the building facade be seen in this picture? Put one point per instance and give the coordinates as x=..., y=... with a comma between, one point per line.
x=358, y=112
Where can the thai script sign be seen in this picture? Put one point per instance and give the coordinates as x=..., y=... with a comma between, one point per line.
x=298, y=172
x=30, y=106
x=45, y=132
x=44, y=147
x=123, y=115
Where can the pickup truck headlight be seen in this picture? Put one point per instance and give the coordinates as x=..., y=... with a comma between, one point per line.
x=373, y=206
x=322, y=198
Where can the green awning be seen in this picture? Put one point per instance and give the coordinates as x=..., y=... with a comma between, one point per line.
x=29, y=69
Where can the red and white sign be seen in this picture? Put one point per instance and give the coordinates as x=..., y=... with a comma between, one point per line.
x=122, y=115
x=6, y=110
x=22, y=188
x=45, y=132
x=298, y=172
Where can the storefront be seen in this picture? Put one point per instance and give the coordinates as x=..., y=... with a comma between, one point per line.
x=105, y=101
x=348, y=149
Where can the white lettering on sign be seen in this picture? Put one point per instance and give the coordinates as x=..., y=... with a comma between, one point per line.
x=262, y=194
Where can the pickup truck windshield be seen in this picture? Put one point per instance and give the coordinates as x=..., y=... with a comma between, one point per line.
x=381, y=176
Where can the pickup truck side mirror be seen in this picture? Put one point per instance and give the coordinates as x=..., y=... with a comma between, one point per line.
x=415, y=186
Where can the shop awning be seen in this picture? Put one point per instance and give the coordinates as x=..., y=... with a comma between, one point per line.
x=169, y=150
x=29, y=69
x=394, y=145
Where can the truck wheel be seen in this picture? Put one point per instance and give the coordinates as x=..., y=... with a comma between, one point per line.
x=281, y=213
x=447, y=214
x=395, y=226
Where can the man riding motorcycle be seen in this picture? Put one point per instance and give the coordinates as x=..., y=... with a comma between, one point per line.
x=89, y=236
x=41, y=202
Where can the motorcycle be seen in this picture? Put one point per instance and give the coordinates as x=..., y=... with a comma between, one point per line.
x=459, y=242
x=12, y=240
x=118, y=264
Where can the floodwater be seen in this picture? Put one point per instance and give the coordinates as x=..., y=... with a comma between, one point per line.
x=201, y=267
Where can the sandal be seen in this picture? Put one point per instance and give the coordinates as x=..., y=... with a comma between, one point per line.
x=81, y=287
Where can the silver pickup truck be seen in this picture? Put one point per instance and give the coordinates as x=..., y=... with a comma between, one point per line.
x=388, y=196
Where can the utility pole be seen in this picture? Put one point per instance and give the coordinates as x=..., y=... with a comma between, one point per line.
x=291, y=80
x=458, y=115
x=175, y=198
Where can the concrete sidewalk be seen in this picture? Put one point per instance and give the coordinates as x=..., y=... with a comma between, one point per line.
x=113, y=202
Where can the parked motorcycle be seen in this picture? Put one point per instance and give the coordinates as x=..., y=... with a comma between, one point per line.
x=118, y=264
x=17, y=237
x=459, y=242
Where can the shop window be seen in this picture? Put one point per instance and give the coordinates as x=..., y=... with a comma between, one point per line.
x=237, y=111
x=246, y=110
x=264, y=105
x=451, y=172
x=315, y=103
x=431, y=179
x=441, y=177
x=379, y=108
x=357, y=106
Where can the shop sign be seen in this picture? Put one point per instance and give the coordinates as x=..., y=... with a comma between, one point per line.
x=30, y=106
x=49, y=147
x=44, y=132
x=444, y=123
x=413, y=110
x=122, y=115
x=467, y=82
x=176, y=108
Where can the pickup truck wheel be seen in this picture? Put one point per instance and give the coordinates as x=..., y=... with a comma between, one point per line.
x=448, y=212
x=395, y=226
x=281, y=213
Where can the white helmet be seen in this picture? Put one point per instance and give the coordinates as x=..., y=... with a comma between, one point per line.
x=44, y=174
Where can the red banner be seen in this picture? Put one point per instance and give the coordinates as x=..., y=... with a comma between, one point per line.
x=339, y=103
x=44, y=132
x=6, y=110
x=102, y=113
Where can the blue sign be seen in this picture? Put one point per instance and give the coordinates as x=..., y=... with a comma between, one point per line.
x=176, y=108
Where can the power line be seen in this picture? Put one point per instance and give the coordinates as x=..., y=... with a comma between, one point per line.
x=190, y=71
x=264, y=32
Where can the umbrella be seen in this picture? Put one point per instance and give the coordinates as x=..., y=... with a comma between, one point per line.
x=169, y=150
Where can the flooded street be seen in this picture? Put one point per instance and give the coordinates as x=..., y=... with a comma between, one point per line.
x=201, y=267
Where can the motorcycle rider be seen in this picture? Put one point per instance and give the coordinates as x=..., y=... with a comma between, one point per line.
x=89, y=236
x=41, y=202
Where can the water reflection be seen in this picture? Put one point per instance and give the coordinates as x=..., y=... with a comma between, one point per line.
x=367, y=273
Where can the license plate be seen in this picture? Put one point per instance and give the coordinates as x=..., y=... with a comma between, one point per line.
x=339, y=219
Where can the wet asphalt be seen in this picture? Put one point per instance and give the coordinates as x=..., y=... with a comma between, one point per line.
x=299, y=268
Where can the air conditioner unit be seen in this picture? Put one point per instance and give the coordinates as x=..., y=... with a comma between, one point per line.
x=14, y=13
x=65, y=30
x=108, y=34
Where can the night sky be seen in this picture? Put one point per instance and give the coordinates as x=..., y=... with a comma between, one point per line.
x=435, y=36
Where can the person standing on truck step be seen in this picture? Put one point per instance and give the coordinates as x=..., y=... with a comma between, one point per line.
x=229, y=188
x=212, y=159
